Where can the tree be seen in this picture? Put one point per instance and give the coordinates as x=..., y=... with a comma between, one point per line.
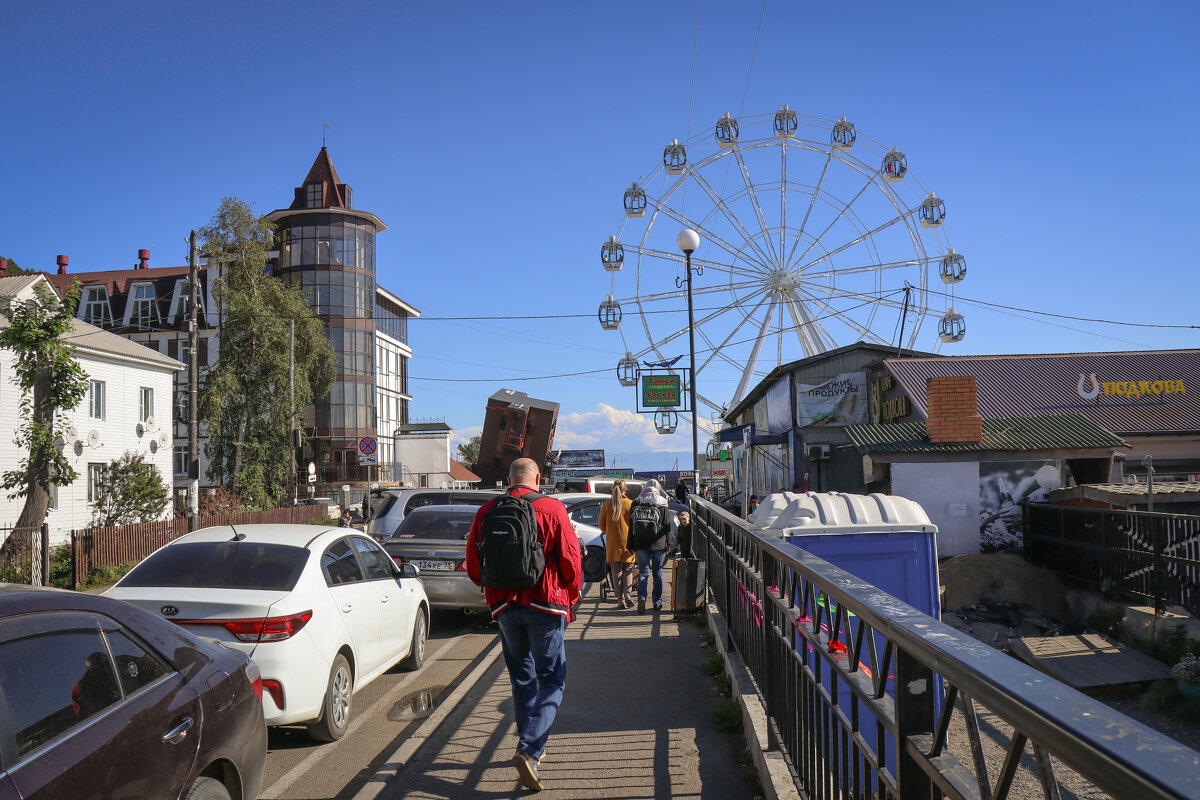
x=244, y=400
x=12, y=269
x=130, y=490
x=468, y=454
x=51, y=381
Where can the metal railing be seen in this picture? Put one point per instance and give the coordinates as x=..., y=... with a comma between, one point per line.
x=867, y=697
x=1145, y=556
x=24, y=555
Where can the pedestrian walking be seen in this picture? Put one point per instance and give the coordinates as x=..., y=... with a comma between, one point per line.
x=649, y=538
x=683, y=534
x=614, y=524
x=522, y=549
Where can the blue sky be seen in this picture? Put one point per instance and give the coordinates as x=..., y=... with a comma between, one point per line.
x=496, y=140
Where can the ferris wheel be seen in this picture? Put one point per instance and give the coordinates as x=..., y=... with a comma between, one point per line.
x=813, y=236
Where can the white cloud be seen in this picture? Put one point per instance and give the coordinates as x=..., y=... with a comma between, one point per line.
x=627, y=436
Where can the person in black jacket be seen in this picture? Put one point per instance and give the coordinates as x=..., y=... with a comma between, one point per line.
x=649, y=538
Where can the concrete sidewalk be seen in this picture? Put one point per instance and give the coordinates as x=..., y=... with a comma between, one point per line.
x=636, y=722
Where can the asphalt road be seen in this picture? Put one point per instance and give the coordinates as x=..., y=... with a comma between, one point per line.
x=383, y=716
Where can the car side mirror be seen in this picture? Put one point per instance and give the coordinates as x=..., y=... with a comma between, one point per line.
x=409, y=571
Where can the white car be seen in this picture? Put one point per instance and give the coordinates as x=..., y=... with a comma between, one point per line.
x=323, y=611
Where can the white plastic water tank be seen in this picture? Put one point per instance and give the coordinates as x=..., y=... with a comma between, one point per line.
x=808, y=513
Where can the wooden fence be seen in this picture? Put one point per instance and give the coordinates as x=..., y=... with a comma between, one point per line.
x=128, y=544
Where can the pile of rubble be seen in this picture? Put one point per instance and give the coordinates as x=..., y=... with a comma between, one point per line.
x=998, y=622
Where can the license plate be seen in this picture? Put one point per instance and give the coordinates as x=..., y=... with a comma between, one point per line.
x=435, y=566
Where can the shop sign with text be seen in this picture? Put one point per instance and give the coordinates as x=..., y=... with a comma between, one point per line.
x=661, y=391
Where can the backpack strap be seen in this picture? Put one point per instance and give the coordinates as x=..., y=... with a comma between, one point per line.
x=530, y=496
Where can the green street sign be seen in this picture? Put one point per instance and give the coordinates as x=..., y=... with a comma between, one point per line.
x=723, y=455
x=661, y=391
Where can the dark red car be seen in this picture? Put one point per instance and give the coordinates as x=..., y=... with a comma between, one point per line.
x=101, y=699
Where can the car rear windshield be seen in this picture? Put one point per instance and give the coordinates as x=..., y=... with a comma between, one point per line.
x=222, y=565
x=421, y=524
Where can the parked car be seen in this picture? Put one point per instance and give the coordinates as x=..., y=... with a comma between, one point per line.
x=324, y=611
x=434, y=540
x=333, y=509
x=101, y=699
x=396, y=503
x=633, y=486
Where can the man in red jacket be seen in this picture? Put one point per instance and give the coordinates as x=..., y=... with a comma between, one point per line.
x=532, y=621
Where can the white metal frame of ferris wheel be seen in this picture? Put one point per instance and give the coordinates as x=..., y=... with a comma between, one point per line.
x=763, y=285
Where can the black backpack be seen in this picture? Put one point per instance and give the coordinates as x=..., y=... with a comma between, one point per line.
x=511, y=555
x=645, y=525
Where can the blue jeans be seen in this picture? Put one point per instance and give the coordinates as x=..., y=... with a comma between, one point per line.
x=648, y=559
x=537, y=669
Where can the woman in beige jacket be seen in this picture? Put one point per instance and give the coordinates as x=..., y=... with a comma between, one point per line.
x=614, y=523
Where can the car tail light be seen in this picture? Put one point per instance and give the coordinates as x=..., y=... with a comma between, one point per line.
x=255, y=676
x=275, y=689
x=462, y=566
x=265, y=629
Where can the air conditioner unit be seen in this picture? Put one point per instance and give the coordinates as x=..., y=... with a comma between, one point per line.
x=817, y=452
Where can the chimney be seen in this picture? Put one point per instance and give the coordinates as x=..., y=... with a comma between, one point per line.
x=144, y=258
x=62, y=265
x=953, y=410
x=3, y=267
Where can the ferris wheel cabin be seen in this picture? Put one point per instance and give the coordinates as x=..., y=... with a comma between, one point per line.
x=627, y=370
x=932, y=211
x=609, y=314
x=727, y=131
x=952, y=327
x=895, y=166
x=786, y=122
x=675, y=158
x=612, y=255
x=635, y=201
x=954, y=267
x=842, y=136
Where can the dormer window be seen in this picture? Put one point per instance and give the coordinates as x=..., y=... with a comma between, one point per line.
x=346, y=196
x=141, y=306
x=94, y=306
x=179, y=305
x=314, y=195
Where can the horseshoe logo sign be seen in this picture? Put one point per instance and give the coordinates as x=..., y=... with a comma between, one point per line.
x=1088, y=394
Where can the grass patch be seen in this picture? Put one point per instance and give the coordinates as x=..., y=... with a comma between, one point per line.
x=713, y=665
x=708, y=639
x=722, y=685
x=728, y=717
x=1164, y=697
x=102, y=577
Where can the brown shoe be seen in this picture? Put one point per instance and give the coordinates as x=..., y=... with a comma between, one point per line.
x=527, y=770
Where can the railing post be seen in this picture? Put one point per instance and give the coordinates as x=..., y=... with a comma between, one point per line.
x=45, y=554
x=914, y=717
x=1157, y=526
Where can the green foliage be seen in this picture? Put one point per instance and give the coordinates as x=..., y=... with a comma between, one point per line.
x=244, y=402
x=99, y=577
x=1171, y=645
x=130, y=491
x=708, y=639
x=722, y=685
x=468, y=454
x=714, y=664
x=13, y=269
x=50, y=381
x=728, y=717
x=62, y=567
x=1164, y=697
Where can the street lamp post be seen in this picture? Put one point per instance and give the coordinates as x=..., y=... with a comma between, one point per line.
x=688, y=240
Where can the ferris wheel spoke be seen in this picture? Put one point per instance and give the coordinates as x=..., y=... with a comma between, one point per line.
x=752, y=193
x=678, y=258
x=703, y=320
x=841, y=316
x=719, y=204
x=715, y=351
x=812, y=335
x=837, y=271
x=812, y=201
x=859, y=239
x=748, y=372
x=680, y=294
x=828, y=227
x=705, y=233
x=783, y=182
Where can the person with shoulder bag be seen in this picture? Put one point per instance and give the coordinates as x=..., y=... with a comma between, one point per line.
x=649, y=538
x=524, y=553
x=614, y=524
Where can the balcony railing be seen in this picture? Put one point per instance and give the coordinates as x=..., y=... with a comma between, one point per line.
x=867, y=697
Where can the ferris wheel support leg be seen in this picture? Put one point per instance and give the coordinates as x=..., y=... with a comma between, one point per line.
x=748, y=373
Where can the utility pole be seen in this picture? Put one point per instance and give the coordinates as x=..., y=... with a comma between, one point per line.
x=193, y=496
x=292, y=443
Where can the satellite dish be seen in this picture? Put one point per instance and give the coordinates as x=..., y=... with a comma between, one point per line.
x=71, y=434
x=150, y=422
x=93, y=439
x=164, y=438
x=140, y=428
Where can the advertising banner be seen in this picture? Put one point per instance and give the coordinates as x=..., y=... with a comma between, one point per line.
x=661, y=391
x=779, y=407
x=838, y=401
x=580, y=458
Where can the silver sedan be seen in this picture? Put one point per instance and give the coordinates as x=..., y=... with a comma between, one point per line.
x=434, y=540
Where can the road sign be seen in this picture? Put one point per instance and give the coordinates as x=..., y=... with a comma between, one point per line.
x=366, y=446
x=312, y=468
x=312, y=478
x=368, y=461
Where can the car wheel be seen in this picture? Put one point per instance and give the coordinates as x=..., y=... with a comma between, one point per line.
x=335, y=711
x=594, y=564
x=416, y=655
x=207, y=789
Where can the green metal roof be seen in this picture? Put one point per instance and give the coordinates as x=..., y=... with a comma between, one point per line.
x=1020, y=434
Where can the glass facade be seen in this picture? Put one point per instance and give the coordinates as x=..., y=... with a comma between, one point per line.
x=392, y=320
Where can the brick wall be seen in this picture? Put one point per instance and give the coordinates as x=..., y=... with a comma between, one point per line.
x=953, y=410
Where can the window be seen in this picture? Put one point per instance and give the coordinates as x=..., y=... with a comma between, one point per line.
x=183, y=293
x=137, y=667
x=340, y=565
x=95, y=479
x=377, y=562
x=314, y=195
x=141, y=307
x=346, y=195
x=181, y=460
x=96, y=309
x=147, y=403
x=96, y=400
x=222, y=565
